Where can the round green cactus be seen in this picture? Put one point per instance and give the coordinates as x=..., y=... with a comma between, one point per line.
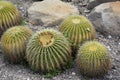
x=93, y=59
x=48, y=50
x=13, y=43
x=77, y=29
x=9, y=16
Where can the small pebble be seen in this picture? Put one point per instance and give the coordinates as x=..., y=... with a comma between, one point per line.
x=108, y=47
x=19, y=71
x=86, y=11
x=21, y=8
x=109, y=36
x=113, y=67
x=73, y=73
x=110, y=76
x=43, y=78
x=70, y=77
x=28, y=78
x=54, y=78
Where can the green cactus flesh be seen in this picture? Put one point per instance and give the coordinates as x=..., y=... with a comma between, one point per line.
x=93, y=59
x=9, y=16
x=13, y=43
x=48, y=50
x=77, y=29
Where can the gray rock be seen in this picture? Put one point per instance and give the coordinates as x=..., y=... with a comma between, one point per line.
x=73, y=73
x=106, y=18
x=94, y=3
x=103, y=1
x=51, y=12
x=0, y=47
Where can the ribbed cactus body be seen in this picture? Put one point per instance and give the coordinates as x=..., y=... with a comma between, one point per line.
x=93, y=59
x=77, y=29
x=48, y=50
x=9, y=16
x=14, y=42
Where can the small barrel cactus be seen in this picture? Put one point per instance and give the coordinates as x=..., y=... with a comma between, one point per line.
x=93, y=59
x=9, y=16
x=77, y=29
x=13, y=43
x=48, y=50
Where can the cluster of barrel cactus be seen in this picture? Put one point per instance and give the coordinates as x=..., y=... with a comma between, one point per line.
x=48, y=50
x=92, y=58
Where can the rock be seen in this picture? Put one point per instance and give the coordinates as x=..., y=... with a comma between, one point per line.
x=67, y=0
x=106, y=18
x=94, y=3
x=37, y=0
x=109, y=36
x=103, y=1
x=0, y=47
x=73, y=73
x=51, y=12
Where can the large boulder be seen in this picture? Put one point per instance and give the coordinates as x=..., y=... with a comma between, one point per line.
x=50, y=12
x=106, y=18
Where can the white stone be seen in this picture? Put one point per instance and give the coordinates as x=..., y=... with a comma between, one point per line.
x=109, y=36
x=73, y=73
x=108, y=47
x=28, y=78
x=51, y=12
x=43, y=78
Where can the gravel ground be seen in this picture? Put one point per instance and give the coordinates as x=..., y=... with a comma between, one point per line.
x=20, y=72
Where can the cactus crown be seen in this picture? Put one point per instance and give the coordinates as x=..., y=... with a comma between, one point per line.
x=46, y=39
x=6, y=6
x=93, y=59
x=93, y=47
x=48, y=50
x=76, y=21
x=77, y=29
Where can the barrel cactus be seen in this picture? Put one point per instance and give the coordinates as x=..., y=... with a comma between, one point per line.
x=13, y=43
x=9, y=16
x=93, y=59
x=48, y=50
x=77, y=29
